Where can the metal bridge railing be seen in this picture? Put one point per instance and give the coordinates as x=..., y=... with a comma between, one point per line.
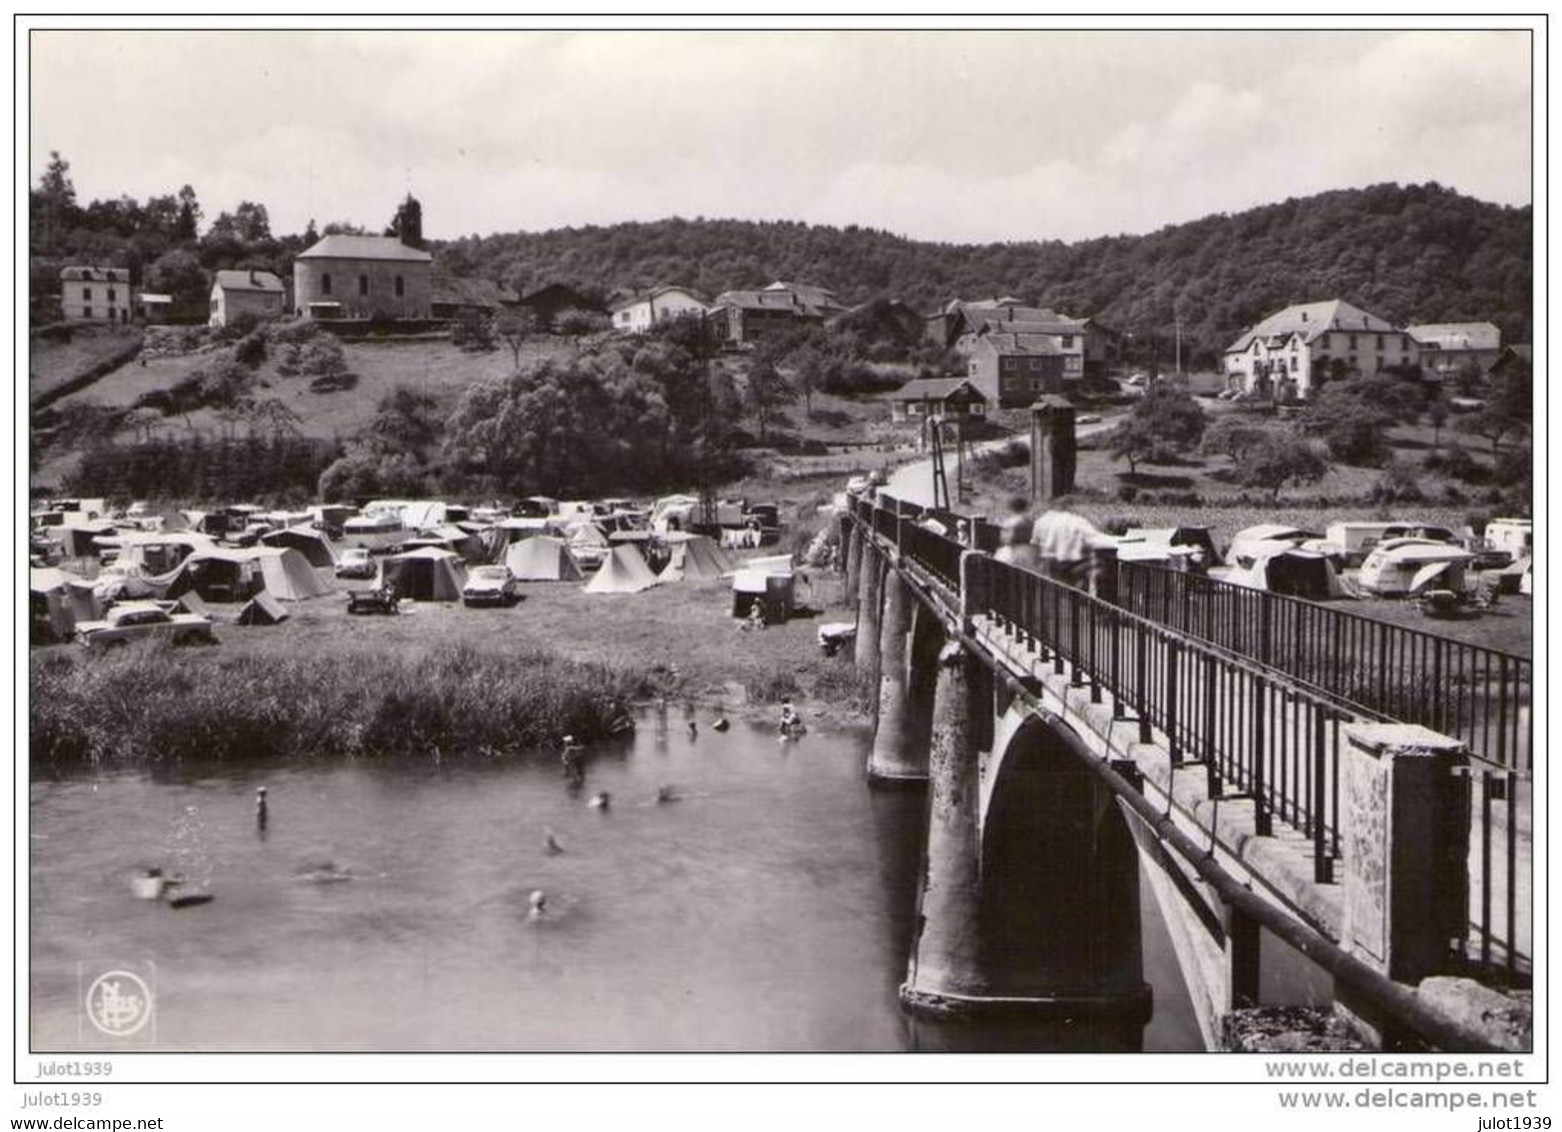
x=1260, y=731
x=1480, y=695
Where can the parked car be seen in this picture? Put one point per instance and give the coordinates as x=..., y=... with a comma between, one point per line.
x=1088, y=418
x=143, y=620
x=356, y=563
x=491, y=585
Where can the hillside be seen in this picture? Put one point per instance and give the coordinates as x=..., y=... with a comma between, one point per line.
x=1419, y=253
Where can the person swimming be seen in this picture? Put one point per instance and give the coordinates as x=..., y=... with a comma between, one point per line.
x=791, y=722
x=694, y=730
x=260, y=808
x=602, y=801
x=538, y=902
x=570, y=758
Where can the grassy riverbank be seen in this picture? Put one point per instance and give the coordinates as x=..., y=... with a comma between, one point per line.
x=439, y=679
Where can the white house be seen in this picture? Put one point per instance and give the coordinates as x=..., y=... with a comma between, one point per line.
x=641, y=313
x=99, y=294
x=258, y=292
x=1291, y=351
x=1445, y=346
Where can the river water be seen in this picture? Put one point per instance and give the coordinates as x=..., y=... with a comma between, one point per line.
x=769, y=908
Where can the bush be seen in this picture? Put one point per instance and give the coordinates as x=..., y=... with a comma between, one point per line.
x=1457, y=463
x=251, y=349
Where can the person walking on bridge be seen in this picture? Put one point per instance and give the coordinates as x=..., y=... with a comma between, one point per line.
x=1063, y=542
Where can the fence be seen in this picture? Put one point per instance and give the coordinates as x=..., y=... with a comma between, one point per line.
x=1261, y=734
x=1477, y=694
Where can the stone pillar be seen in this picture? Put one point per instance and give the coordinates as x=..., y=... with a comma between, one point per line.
x=854, y=537
x=1405, y=819
x=868, y=603
x=895, y=757
x=1053, y=448
x=946, y=956
x=843, y=534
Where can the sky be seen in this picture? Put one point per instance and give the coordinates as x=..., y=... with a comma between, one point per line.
x=956, y=136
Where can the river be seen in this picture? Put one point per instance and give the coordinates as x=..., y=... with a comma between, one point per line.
x=769, y=908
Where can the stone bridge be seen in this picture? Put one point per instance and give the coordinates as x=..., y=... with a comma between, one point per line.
x=1069, y=746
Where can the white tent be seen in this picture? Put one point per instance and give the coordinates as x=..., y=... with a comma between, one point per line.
x=771, y=564
x=1251, y=543
x=1409, y=566
x=1290, y=571
x=155, y=554
x=542, y=558
x=426, y=574
x=623, y=572
x=696, y=558
x=223, y=574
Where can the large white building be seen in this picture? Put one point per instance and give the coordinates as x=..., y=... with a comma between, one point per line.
x=1294, y=350
x=661, y=304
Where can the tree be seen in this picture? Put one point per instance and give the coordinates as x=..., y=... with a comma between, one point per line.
x=1164, y=422
x=178, y=273
x=1354, y=417
x=808, y=373
x=53, y=204
x=1491, y=423
x=766, y=390
x=514, y=328
x=1233, y=435
x=1137, y=440
x=311, y=237
x=188, y=227
x=407, y=224
x=404, y=421
x=1283, y=458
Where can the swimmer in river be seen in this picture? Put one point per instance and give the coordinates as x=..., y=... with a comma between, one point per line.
x=260, y=807
x=551, y=844
x=539, y=903
x=694, y=730
x=791, y=722
x=602, y=801
x=570, y=758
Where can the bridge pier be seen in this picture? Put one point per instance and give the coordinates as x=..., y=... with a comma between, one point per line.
x=854, y=541
x=894, y=758
x=868, y=608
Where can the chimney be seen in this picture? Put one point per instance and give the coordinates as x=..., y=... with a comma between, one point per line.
x=254, y=280
x=1304, y=316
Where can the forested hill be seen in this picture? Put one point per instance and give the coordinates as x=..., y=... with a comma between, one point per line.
x=1420, y=253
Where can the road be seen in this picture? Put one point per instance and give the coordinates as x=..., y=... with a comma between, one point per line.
x=913, y=482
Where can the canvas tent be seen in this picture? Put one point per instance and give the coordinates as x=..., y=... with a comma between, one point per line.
x=1290, y=571
x=542, y=558
x=49, y=593
x=427, y=574
x=1410, y=566
x=316, y=548
x=773, y=593
x=224, y=574
x=157, y=554
x=697, y=558
x=262, y=609
x=623, y=572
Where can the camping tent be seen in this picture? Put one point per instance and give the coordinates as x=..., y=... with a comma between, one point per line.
x=771, y=564
x=155, y=554
x=1409, y=566
x=696, y=558
x=427, y=574
x=542, y=558
x=225, y=574
x=773, y=593
x=1251, y=543
x=262, y=609
x=49, y=591
x=1290, y=571
x=312, y=544
x=623, y=572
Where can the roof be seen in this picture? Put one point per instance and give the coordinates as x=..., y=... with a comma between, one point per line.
x=764, y=300
x=92, y=274
x=148, y=297
x=465, y=291
x=1036, y=344
x=1312, y=319
x=365, y=247
x=249, y=281
x=1457, y=335
x=933, y=389
x=655, y=293
x=810, y=295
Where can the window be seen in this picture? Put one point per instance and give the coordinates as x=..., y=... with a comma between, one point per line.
x=86, y=312
x=363, y=284
x=1293, y=364
x=1380, y=339
x=111, y=294
x=916, y=408
x=1352, y=341
x=86, y=294
x=214, y=306
x=400, y=287
x=1068, y=341
x=325, y=283
x=978, y=409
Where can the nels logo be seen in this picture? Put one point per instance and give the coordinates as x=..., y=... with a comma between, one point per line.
x=118, y=1003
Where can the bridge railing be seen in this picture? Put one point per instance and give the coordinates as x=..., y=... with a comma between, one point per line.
x=1260, y=739
x=1260, y=733
x=1480, y=695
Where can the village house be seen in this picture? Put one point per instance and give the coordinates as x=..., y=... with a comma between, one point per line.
x=1445, y=346
x=745, y=316
x=551, y=300
x=1012, y=370
x=363, y=277
x=238, y=292
x=1086, y=346
x=1291, y=352
x=100, y=294
x=456, y=295
x=936, y=398
x=639, y=313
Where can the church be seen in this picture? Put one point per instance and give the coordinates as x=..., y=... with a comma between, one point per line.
x=368, y=277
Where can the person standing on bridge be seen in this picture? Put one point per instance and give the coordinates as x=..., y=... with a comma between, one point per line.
x=1014, y=536
x=1063, y=542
